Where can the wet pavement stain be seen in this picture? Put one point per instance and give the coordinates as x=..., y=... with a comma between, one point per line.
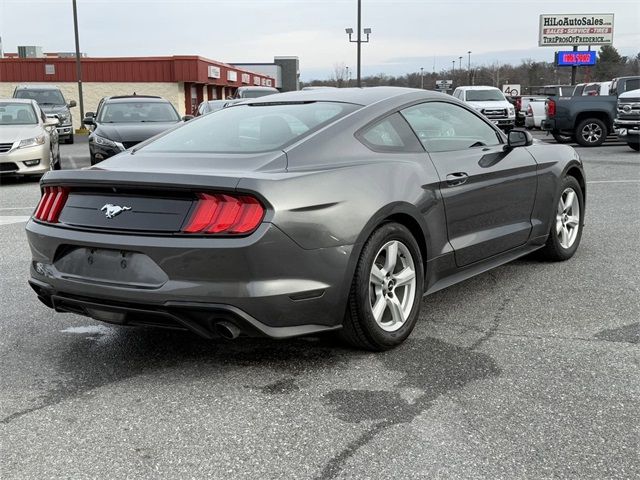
x=627, y=334
x=430, y=365
x=86, y=363
x=280, y=387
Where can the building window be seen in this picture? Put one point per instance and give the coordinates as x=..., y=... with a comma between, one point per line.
x=49, y=69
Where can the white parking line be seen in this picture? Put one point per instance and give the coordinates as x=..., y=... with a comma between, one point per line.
x=614, y=181
x=9, y=219
x=17, y=208
x=73, y=162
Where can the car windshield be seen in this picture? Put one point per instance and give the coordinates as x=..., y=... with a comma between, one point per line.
x=257, y=93
x=250, y=128
x=17, y=114
x=43, y=97
x=485, y=96
x=137, y=112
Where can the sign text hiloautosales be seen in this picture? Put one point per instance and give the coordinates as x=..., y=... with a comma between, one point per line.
x=589, y=29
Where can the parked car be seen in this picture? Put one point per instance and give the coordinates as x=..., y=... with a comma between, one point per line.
x=253, y=92
x=491, y=102
x=579, y=88
x=52, y=102
x=536, y=113
x=555, y=90
x=210, y=106
x=587, y=119
x=522, y=104
x=324, y=210
x=28, y=138
x=627, y=122
x=597, y=88
x=124, y=121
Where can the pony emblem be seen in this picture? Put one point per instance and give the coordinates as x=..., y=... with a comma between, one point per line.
x=111, y=211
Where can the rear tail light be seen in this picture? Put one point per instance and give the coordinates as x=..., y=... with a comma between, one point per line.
x=529, y=110
x=51, y=204
x=519, y=103
x=225, y=214
x=551, y=108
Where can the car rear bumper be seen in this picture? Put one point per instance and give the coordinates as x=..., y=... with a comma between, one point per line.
x=17, y=161
x=65, y=131
x=264, y=284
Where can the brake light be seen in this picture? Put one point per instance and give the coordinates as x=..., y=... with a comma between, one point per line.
x=225, y=214
x=519, y=103
x=51, y=204
x=551, y=108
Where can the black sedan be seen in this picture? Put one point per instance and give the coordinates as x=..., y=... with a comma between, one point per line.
x=303, y=212
x=123, y=122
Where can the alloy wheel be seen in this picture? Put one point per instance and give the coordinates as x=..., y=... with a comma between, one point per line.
x=591, y=132
x=392, y=286
x=568, y=218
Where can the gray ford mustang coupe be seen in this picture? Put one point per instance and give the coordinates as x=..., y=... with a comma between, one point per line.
x=300, y=213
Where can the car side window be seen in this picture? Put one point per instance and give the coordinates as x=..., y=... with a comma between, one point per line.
x=391, y=134
x=446, y=127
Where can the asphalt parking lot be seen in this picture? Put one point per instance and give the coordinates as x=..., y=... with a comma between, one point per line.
x=529, y=371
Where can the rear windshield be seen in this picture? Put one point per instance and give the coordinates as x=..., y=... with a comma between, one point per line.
x=250, y=128
x=257, y=93
x=17, y=114
x=43, y=97
x=135, y=112
x=485, y=96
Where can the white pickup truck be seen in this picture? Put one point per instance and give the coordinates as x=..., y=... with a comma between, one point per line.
x=491, y=102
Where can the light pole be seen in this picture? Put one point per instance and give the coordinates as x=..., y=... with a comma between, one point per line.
x=78, y=65
x=422, y=78
x=359, y=41
x=469, y=65
x=347, y=69
x=453, y=68
x=460, y=64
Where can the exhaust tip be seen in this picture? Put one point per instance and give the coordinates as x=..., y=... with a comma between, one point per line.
x=227, y=330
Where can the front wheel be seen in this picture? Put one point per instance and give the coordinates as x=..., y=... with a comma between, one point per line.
x=560, y=138
x=566, y=225
x=386, y=292
x=70, y=140
x=634, y=146
x=591, y=132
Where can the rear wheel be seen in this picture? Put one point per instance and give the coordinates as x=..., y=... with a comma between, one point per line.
x=566, y=226
x=386, y=292
x=591, y=132
x=634, y=146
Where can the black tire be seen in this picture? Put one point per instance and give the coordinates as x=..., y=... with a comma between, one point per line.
x=360, y=328
x=634, y=146
x=560, y=138
x=553, y=250
x=70, y=140
x=591, y=132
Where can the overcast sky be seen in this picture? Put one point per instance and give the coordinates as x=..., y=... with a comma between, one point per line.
x=407, y=34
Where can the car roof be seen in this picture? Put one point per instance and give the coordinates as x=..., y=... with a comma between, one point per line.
x=360, y=96
x=37, y=87
x=17, y=100
x=248, y=87
x=478, y=87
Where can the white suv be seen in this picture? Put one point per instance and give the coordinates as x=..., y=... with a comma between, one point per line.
x=491, y=102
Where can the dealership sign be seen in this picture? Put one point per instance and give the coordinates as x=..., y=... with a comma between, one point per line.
x=570, y=59
x=556, y=30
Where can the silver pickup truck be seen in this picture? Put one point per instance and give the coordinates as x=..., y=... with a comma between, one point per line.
x=627, y=122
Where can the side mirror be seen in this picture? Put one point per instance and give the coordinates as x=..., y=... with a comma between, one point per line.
x=51, y=122
x=186, y=118
x=519, y=138
x=89, y=120
x=71, y=104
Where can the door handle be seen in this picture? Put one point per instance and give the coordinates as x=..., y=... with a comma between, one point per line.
x=457, y=178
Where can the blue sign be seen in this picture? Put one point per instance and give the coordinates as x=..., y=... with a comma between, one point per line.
x=570, y=58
